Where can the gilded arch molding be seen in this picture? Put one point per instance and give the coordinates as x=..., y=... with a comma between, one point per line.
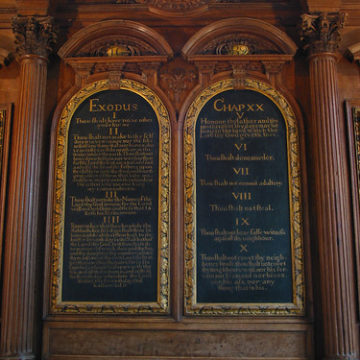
x=208, y=39
x=125, y=33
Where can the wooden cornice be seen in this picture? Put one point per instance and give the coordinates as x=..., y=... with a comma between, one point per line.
x=240, y=59
x=6, y=14
x=323, y=5
x=33, y=7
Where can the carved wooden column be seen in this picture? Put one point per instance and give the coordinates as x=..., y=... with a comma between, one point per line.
x=21, y=312
x=331, y=202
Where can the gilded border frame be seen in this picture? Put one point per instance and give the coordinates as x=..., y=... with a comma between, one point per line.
x=57, y=228
x=5, y=120
x=352, y=108
x=296, y=307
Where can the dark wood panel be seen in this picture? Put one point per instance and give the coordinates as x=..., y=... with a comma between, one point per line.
x=132, y=344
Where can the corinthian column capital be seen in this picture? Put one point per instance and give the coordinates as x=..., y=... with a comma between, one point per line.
x=320, y=32
x=34, y=35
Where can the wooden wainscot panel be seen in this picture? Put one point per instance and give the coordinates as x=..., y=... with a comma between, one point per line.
x=259, y=341
x=110, y=228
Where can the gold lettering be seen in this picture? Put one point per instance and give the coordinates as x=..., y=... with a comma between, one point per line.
x=243, y=248
x=216, y=102
x=113, y=131
x=102, y=107
x=119, y=261
x=241, y=171
x=239, y=115
x=111, y=219
x=243, y=272
x=111, y=194
x=219, y=105
x=241, y=146
x=93, y=105
x=242, y=195
x=245, y=221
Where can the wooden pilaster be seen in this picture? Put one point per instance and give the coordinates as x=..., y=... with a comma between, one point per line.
x=331, y=200
x=20, y=307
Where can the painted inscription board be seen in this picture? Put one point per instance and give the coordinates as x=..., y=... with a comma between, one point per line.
x=111, y=219
x=243, y=247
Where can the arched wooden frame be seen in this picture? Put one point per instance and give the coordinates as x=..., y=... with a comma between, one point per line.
x=57, y=200
x=260, y=67
x=279, y=42
x=109, y=30
x=116, y=47
x=134, y=72
x=192, y=307
x=266, y=55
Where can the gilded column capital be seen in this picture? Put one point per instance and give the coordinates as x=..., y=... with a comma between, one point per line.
x=34, y=35
x=320, y=32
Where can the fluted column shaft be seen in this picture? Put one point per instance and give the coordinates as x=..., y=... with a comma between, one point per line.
x=20, y=308
x=22, y=230
x=333, y=213
x=331, y=197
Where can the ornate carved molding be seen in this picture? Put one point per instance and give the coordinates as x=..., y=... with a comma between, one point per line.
x=354, y=52
x=5, y=57
x=34, y=35
x=240, y=44
x=130, y=2
x=116, y=45
x=177, y=80
x=320, y=32
x=123, y=38
x=239, y=74
x=177, y=5
x=228, y=37
x=115, y=78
